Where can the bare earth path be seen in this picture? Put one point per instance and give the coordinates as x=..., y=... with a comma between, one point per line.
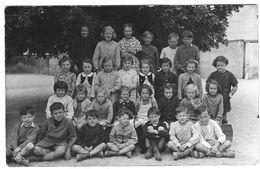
x=35, y=90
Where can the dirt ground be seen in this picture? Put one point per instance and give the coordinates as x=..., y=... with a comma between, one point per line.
x=34, y=90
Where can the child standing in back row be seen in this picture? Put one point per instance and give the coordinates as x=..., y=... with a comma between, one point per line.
x=150, y=52
x=170, y=50
x=185, y=52
x=107, y=48
x=227, y=82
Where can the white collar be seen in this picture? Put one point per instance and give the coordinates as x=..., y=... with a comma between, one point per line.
x=32, y=125
x=144, y=74
x=87, y=75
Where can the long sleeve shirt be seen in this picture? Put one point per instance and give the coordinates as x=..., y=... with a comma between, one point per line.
x=183, y=134
x=161, y=133
x=22, y=135
x=106, y=49
x=67, y=103
x=169, y=53
x=150, y=52
x=185, y=78
x=123, y=134
x=105, y=109
x=209, y=133
x=167, y=108
x=88, y=81
x=214, y=106
x=191, y=108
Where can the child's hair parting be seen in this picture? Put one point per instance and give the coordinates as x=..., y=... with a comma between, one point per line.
x=129, y=25
x=191, y=61
x=166, y=60
x=100, y=90
x=212, y=81
x=27, y=110
x=56, y=106
x=191, y=87
x=146, y=33
x=80, y=88
x=126, y=57
x=202, y=108
x=124, y=111
x=171, y=86
x=187, y=34
x=173, y=35
x=60, y=85
x=181, y=109
x=147, y=61
x=145, y=86
x=220, y=59
x=64, y=59
x=87, y=61
x=91, y=113
x=107, y=59
x=125, y=88
x=109, y=28
x=153, y=110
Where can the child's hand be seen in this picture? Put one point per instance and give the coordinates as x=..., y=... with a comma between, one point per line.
x=14, y=153
x=231, y=94
x=88, y=148
x=160, y=128
x=181, y=148
x=214, y=149
x=68, y=155
x=150, y=129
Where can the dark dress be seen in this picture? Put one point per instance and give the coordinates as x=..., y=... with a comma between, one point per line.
x=167, y=109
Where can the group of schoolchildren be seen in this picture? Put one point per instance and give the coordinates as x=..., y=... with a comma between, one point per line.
x=134, y=97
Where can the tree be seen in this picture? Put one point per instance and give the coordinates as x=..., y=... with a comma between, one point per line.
x=48, y=28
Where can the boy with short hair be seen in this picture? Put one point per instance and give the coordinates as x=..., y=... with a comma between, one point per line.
x=212, y=141
x=91, y=138
x=156, y=133
x=123, y=136
x=57, y=135
x=185, y=52
x=23, y=137
x=163, y=77
x=183, y=135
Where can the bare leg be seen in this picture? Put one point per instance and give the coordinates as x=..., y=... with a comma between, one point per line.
x=59, y=151
x=203, y=149
x=98, y=149
x=27, y=149
x=40, y=151
x=125, y=150
x=161, y=144
x=112, y=147
x=172, y=147
x=224, y=146
x=79, y=149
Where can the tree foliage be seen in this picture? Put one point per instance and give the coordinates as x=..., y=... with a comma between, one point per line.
x=50, y=28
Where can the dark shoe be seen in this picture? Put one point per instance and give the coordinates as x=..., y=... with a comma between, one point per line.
x=100, y=154
x=35, y=158
x=149, y=153
x=195, y=154
x=157, y=156
x=81, y=157
x=177, y=155
x=129, y=154
x=201, y=155
x=24, y=161
x=224, y=121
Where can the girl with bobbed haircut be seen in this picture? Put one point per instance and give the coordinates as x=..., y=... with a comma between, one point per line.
x=126, y=57
x=222, y=59
x=109, y=28
x=60, y=85
x=191, y=61
x=145, y=86
x=212, y=81
x=191, y=87
x=80, y=88
x=171, y=86
x=64, y=59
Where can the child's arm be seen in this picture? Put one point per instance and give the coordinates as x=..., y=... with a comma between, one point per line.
x=172, y=133
x=197, y=55
x=180, y=87
x=234, y=90
x=195, y=136
x=118, y=60
x=110, y=112
x=31, y=138
x=134, y=81
x=47, y=110
x=156, y=85
x=176, y=61
x=78, y=79
x=220, y=135
x=162, y=55
x=97, y=81
x=201, y=140
x=220, y=110
x=117, y=84
x=133, y=139
x=154, y=103
x=70, y=109
x=72, y=139
x=157, y=59
x=73, y=81
x=14, y=138
x=43, y=130
x=200, y=86
x=96, y=57
x=92, y=95
x=147, y=132
x=133, y=108
x=162, y=131
x=112, y=135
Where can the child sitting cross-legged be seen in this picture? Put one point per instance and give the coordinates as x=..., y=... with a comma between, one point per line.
x=156, y=132
x=213, y=141
x=23, y=137
x=123, y=136
x=91, y=137
x=183, y=135
x=57, y=135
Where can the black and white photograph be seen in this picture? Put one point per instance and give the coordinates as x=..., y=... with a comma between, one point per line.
x=131, y=85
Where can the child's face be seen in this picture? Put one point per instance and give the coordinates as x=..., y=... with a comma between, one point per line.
x=173, y=43
x=87, y=67
x=128, y=32
x=204, y=118
x=108, y=66
x=187, y=41
x=191, y=93
x=182, y=117
x=145, y=94
x=168, y=93
x=101, y=97
x=165, y=67
x=92, y=121
x=191, y=68
x=58, y=115
x=125, y=95
x=124, y=120
x=108, y=35
x=148, y=39
x=221, y=67
x=127, y=65
x=66, y=66
x=154, y=118
x=213, y=89
x=145, y=68
x=60, y=92
x=84, y=31
x=81, y=96
x=27, y=119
